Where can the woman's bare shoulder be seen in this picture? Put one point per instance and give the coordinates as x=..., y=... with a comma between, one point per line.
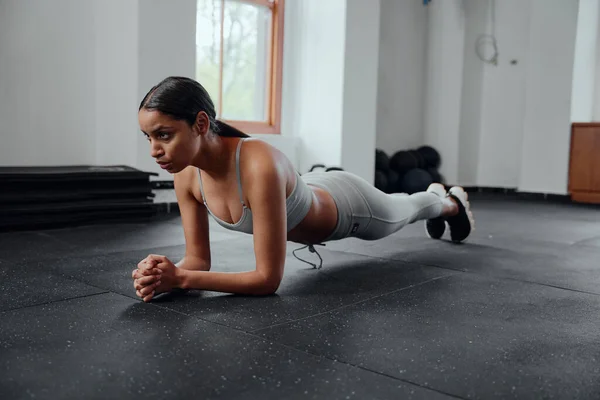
x=264, y=164
x=263, y=156
x=186, y=181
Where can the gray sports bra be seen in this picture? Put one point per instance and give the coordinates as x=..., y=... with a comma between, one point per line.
x=297, y=204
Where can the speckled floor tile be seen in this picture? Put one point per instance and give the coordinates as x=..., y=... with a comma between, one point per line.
x=467, y=335
x=111, y=347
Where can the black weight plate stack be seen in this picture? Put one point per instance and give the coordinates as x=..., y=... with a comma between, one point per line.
x=382, y=160
x=51, y=197
x=415, y=180
x=435, y=175
x=381, y=180
x=403, y=161
x=394, y=180
x=431, y=157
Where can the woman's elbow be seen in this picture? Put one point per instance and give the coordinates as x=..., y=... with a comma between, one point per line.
x=268, y=286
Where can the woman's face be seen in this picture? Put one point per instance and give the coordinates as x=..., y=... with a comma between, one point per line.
x=173, y=143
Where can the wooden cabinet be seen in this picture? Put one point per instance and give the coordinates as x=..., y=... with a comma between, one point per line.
x=584, y=163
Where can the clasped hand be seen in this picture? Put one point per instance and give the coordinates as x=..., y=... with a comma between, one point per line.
x=155, y=274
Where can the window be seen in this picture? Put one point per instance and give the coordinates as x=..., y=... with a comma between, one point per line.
x=239, y=46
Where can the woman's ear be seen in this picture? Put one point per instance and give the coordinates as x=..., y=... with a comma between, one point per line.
x=202, y=123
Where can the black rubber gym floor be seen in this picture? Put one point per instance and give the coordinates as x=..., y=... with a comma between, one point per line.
x=513, y=313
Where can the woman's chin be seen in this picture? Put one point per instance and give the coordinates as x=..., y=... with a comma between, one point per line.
x=173, y=169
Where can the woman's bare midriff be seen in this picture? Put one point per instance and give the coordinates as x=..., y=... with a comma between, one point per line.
x=320, y=221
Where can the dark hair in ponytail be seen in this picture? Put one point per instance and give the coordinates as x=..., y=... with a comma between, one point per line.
x=182, y=99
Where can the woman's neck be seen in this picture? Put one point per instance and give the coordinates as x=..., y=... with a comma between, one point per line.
x=216, y=156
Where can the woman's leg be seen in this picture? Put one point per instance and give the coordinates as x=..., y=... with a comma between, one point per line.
x=368, y=213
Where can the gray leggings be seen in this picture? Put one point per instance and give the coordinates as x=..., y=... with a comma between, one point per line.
x=366, y=212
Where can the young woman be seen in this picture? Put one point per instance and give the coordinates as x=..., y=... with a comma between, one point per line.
x=249, y=186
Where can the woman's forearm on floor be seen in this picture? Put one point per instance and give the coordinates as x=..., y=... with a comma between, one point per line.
x=191, y=263
x=248, y=283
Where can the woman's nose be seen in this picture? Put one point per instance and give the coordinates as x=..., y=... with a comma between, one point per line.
x=156, y=151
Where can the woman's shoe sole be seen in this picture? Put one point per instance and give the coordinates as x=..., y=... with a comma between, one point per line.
x=462, y=224
x=436, y=227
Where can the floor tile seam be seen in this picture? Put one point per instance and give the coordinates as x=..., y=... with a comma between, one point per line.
x=507, y=278
x=582, y=243
x=335, y=309
x=348, y=285
x=54, y=238
x=550, y=286
x=400, y=379
x=193, y=316
x=579, y=243
x=350, y=364
x=367, y=256
x=472, y=272
x=407, y=262
x=55, y=301
x=84, y=255
x=130, y=250
x=62, y=274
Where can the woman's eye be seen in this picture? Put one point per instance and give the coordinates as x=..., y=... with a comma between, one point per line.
x=163, y=136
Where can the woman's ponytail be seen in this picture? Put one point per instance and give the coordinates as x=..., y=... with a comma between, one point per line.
x=227, y=130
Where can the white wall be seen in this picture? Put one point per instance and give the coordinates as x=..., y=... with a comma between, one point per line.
x=47, y=82
x=445, y=50
x=470, y=128
x=548, y=96
x=116, y=60
x=330, y=83
x=502, y=107
x=360, y=88
x=314, y=84
x=584, y=68
x=508, y=111
x=402, y=72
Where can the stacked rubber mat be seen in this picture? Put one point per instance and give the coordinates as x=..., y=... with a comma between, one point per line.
x=49, y=197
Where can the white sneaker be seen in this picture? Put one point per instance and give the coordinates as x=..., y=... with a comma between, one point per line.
x=462, y=224
x=436, y=227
